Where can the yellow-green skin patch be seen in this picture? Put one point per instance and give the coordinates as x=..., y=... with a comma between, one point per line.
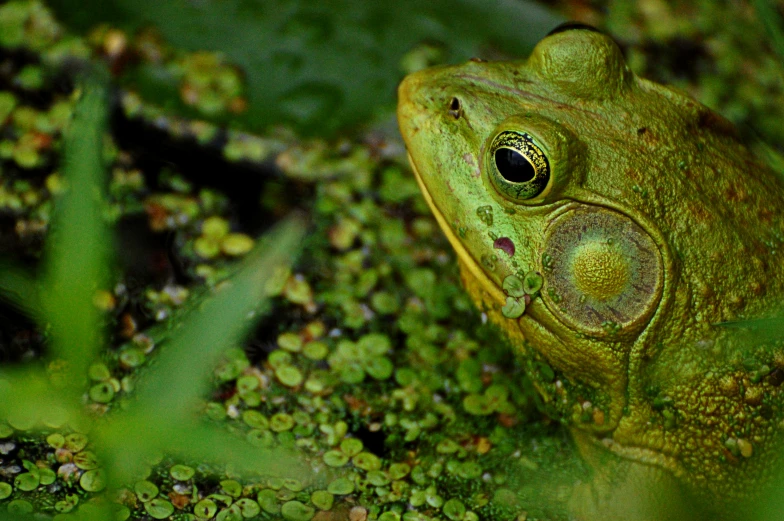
x=682, y=229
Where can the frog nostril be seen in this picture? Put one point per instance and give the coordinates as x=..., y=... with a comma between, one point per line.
x=455, y=107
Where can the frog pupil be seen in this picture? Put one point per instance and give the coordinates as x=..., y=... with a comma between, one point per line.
x=513, y=166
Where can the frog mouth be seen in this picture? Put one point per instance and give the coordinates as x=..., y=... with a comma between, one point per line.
x=463, y=254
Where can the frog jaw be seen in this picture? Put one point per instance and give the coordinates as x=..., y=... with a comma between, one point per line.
x=465, y=257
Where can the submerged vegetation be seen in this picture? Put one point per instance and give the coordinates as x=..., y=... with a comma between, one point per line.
x=182, y=368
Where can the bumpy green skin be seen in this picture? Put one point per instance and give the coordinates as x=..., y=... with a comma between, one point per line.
x=663, y=385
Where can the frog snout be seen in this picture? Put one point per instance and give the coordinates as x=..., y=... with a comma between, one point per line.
x=411, y=104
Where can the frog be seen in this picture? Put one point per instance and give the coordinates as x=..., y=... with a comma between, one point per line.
x=611, y=227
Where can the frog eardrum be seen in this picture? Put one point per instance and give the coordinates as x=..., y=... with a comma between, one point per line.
x=603, y=272
x=518, y=168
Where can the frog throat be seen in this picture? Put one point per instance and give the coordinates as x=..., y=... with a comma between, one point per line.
x=471, y=264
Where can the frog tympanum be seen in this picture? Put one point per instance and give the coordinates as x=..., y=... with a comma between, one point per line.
x=610, y=225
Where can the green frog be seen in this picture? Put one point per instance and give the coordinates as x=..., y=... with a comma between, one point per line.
x=610, y=225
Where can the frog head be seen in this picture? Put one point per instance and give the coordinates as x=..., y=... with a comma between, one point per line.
x=605, y=222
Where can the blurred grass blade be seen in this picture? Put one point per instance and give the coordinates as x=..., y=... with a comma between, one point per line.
x=168, y=396
x=774, y=24
x=212, y=444
x=130, y=443
x=319, y=66
x=770, y=328
x=77, y=247
x=20, y=289
x=182, y=370
x=28, y=399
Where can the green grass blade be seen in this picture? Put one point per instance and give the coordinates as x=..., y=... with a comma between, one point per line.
x=182, y=371
x=759, y=328
x=170, y=394
x=774, y=25
x=20, y=289
x=130, y=443
x=28, y=400
x=77, y=247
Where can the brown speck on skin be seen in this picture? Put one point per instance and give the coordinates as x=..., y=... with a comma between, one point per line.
x=735, y=194
x=708, y=119
x=504, y=244
x=776, y=378
x=766, y=215
x=735, y=300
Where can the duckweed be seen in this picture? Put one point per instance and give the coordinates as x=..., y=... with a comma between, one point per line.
x=377, y=478
x=5, y=490
x=322, y=499
x=289, y=375
x=532, y=283
x=247, y=383
x=145, y=490
x=55, y=440
x=159, y=508
x=27, y=481
x=315, y=350
x=19, y=507
x=514, y=308
x=335, y=458
x=341, y=487
x=46, y=476
x=248, y=508
x=68, y=504
x=85, y=460
x=366, y=461
x=281, y=422
x=132, y=357
x=205, y=509
x=255, y=419
x=290, y=342
x=236, y=244
x=268, y=501
x=351, y=446
x=296, y=511
x=231, y=487
x=469, y=470
x=93, y=480
x=279, y=358
x=99, y=372
x=102, y=392
x=75, y=442
x=182, y=472
x=399, y=470
x=513, y=286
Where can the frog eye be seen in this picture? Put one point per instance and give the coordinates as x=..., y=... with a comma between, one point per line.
x=518, y=168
